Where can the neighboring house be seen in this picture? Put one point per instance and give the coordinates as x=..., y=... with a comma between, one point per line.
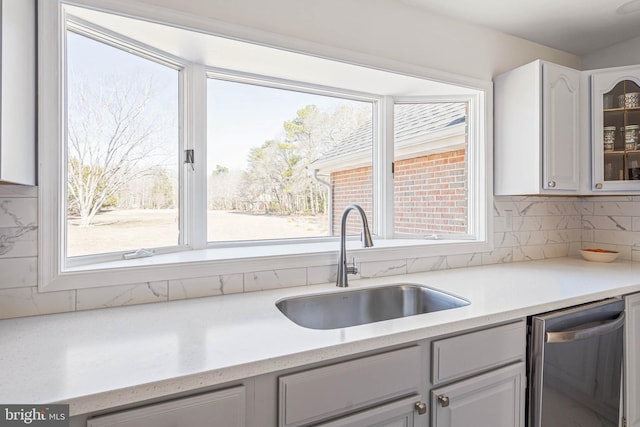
x=430, y=187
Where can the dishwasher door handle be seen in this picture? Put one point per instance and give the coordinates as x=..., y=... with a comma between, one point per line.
x=584, y=333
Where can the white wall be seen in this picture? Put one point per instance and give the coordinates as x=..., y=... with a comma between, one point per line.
x=382, y=28
x=624, y=53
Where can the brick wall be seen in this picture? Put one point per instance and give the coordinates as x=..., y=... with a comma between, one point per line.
x=351, y=186
x=430, y=194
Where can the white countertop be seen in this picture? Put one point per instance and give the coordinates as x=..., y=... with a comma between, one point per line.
x=104, y=358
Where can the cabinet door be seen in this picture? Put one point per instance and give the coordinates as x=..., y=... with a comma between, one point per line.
x=18, y=89
x=328, y=392
x=537, y=130
x=494, y=399
x=632, y=361
x=517, y=133
x=492, y=348
x=221, y=408
x=561, y=127
x=402, y=413
x=615, y=118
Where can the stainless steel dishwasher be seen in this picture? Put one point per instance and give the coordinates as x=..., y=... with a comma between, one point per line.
x=575, y=366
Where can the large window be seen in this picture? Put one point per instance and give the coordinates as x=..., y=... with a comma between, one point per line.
x=168, y=153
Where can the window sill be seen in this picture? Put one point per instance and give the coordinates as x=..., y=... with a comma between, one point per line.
x=222, y=261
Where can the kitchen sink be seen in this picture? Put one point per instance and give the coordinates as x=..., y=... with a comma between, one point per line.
x=346, y=308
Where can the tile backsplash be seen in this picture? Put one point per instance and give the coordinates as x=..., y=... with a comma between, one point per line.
x=525, y=228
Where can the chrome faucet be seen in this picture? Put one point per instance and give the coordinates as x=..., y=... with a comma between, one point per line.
x=343, y=269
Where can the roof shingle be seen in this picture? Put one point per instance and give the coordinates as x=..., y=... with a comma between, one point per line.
x=411, y=121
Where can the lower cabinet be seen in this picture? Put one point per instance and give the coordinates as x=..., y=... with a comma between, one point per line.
x=382, y=390
x=470, y=379
x=476, y=379
x=481, y=378
x=402, y=413
x=221, y=408
x=494, y=399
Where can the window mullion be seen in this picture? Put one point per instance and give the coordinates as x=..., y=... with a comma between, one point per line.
x=194, y=191
x=383, y=163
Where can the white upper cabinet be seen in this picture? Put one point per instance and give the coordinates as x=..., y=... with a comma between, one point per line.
x=537, y=130
x=18, y=92
x=615, y=129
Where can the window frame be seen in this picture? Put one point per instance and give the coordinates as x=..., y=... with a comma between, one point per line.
x=195, y=257
x=276, y=83
x=185, y=70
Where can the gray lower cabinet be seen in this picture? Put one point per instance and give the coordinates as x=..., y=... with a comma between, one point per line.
x=481, y=378
x=493, y=399
x=382, y=390
x=477, y=379
x=469, y=379
x=401, y=413
x=220, y=408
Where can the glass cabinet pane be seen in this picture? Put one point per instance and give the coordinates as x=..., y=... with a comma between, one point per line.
x=621, y=130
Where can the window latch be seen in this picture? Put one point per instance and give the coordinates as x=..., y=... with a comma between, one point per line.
x=189, y=157
x=140, y=253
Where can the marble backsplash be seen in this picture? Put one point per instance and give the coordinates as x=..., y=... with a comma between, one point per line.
x=525, y=228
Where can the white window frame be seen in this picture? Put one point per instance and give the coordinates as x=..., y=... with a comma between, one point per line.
x=185, y=81
x=474, y=173
x=195, y=258
x=274, y=83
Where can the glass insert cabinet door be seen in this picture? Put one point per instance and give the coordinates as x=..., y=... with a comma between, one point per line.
x=616, y=130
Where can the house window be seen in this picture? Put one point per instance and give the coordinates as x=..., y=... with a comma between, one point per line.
x=168, y=153
x=121, y=151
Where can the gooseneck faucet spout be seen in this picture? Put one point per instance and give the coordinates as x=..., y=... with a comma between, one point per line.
x=343, y=269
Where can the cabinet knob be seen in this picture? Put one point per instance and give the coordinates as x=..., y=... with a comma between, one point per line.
x=443, y=401
x=599, y=186
x=551, y=184
x=421, y=407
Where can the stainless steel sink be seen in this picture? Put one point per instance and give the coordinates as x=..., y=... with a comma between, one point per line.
x=342, y=309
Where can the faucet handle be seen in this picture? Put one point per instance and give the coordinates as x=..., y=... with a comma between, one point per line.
x=352, y=269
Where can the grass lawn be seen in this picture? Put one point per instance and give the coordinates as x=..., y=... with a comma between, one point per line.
x=122, y=230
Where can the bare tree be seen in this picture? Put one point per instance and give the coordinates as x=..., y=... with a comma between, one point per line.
x=268, y=177
x=224, y=188
x=112, y=136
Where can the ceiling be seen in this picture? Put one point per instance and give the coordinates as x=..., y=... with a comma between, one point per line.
x=575, y=26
